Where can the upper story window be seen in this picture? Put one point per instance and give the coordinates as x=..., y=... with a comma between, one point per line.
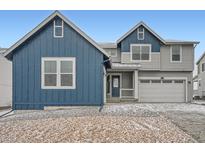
x=140, y=33
x=176, y=53
x=112, y=52
x=203, y=67
x=140, y=52
x=58, y=28
x=58, y=73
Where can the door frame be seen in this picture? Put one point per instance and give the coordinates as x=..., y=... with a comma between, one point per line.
x=115, y=74
x=170, y=78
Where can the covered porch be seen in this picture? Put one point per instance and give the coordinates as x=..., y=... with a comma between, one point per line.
x=122, y=83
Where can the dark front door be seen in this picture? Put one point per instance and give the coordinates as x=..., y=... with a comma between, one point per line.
x=115, y=86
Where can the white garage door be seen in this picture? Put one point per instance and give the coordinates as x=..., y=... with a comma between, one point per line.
x=162, y=90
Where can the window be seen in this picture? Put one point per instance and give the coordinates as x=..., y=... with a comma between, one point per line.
x=178, y=81
x=176, y=53
x=203, y=67
x=50, y=73
x=140, y=33
x=58, y=28
x=140, y=52
x=167, y=81
x=58, y=73
x=156, y=81
x=144, y=81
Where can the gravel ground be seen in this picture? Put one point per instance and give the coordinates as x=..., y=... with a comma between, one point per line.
x=93, y=129
x=116, y=123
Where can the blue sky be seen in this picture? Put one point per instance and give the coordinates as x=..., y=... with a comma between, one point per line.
x=108, y=26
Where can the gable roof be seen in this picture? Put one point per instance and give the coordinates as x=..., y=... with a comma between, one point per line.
x=137, y=26
x=170, y=41
x=156, y=35
x=2, y=50
x=43, y=23
x=108, y=45
x=202, y=56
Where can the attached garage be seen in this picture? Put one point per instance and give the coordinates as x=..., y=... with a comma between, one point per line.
x=166, y=90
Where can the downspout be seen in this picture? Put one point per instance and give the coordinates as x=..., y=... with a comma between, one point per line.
x=104, y=86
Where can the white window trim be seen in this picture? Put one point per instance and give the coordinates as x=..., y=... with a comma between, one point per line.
x=180, y=55
x=140, y=32
x=58, y=60
x=54, y=29
x=131, y=45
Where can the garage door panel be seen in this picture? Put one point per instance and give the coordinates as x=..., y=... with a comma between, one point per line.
x=162, y=92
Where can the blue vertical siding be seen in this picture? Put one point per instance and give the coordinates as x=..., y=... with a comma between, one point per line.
x=27, y=92
x=148, y=39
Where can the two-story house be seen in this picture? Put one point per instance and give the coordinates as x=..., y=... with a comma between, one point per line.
x=199, y=79
x=57, y=64
x=147, y=68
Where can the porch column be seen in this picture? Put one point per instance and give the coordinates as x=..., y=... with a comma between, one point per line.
x=136, y=84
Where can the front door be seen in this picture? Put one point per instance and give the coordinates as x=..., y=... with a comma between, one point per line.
x=115, y=86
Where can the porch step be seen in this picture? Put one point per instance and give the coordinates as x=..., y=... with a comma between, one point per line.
x=118, y=100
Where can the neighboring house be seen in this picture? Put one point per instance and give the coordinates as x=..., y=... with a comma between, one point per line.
x=5, y=80
x=147, y=68
x=199, y=79
x=56, y=64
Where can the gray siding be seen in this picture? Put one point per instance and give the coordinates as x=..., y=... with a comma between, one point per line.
x=201, y=76
x=154, y=64
x=159, y=61
x=5, y=81
x=148, y=39
x=188, y=75
x=187, y=63
x=201, y=88
x=27, y=92
x=200, y=65
x=114, y=59
x=162, y=60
